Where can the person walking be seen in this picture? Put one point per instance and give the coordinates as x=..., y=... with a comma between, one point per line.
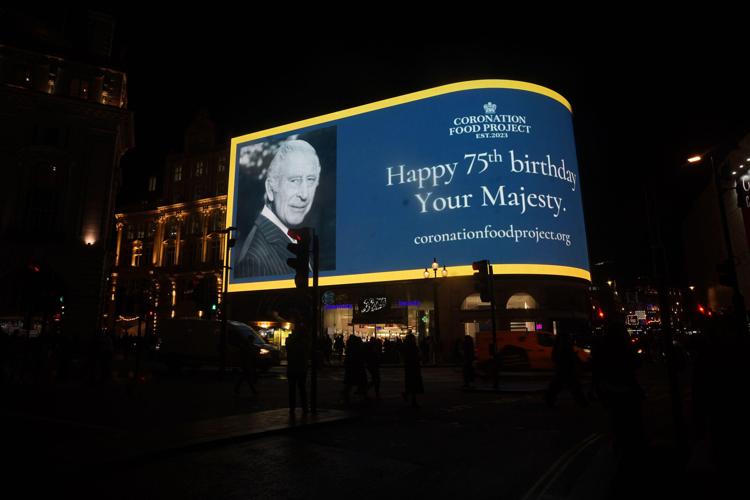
x=297, y=355
x=372, y=360
x=567, y=366
x=249, y=353
x=412, y=370
x=355, y=374
x=338, y=346
x=613, y=372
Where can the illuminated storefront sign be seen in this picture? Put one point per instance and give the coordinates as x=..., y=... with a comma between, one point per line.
x=474, y=170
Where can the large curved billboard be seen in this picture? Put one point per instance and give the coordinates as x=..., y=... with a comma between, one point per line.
x=474, y=170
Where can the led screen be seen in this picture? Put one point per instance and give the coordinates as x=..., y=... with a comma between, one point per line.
x=469, y=171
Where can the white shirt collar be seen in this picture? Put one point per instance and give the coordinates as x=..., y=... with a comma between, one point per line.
x=268, y=214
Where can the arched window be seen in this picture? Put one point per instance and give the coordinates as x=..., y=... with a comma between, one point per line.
x=521, y=301
x=473, y=302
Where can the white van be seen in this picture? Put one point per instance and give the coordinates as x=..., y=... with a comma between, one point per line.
x=196, y=342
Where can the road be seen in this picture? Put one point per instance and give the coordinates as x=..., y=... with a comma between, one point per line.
x=457, y=444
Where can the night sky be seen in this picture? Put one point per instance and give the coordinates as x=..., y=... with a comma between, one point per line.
x=640, y=106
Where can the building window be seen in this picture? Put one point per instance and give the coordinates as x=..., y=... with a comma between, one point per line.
x=217, y=221
x=214, y=250
x=139, y=232
x=199, y=169
x=178, y=173
x=137, y=253
x=473, y=302
x=131, y=232
x=151, y=184
x=171, y=255
x=172, y=228
x=222, y=164
x=521, y=301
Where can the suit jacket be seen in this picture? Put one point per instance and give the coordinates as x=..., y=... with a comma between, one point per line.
x=264, y=251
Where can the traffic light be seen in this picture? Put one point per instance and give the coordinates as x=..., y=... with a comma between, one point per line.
x=482, y=279
x=301, y=249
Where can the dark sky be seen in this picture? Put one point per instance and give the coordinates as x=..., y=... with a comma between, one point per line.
x=640, y=107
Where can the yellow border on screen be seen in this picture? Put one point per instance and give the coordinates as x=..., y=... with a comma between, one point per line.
x=540, y=269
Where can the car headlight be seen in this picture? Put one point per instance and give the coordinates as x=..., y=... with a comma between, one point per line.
x=263, y=352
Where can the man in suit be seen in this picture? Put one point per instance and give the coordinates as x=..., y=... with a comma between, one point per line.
x=291, y=182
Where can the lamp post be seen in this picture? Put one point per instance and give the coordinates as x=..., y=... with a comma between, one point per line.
x=225, y=286
x=444, y=273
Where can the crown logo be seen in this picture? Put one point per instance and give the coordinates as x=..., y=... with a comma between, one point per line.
x=490, y=108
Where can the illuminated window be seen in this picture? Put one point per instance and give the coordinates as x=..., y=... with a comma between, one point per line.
x=137, y=253
x=151, y=184
x=222, y=164
x=199, y=169
x=131, y=233
x=473, y=302
x=172, y=228
x=139, y=232
x=178, y=173
x=521, y=301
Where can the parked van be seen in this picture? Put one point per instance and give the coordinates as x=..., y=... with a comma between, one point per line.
x=196, y=342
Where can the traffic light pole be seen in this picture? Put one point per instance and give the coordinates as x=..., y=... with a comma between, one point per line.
x=224, y=301
x=495, y=357
x=314, y=329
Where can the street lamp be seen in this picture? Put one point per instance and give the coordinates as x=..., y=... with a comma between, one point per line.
x=444, y=273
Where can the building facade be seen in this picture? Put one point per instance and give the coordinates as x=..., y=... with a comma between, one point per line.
x=168, y=257
x=65, y=126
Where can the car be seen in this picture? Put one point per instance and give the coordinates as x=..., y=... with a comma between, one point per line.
x=197, y=342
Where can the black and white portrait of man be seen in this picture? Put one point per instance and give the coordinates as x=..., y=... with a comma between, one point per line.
x=290, y=186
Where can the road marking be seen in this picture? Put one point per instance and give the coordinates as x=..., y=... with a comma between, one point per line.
x=560, y=465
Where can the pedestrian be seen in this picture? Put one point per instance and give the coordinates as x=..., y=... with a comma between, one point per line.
x=297, y=355
x=424, y=347
x=412, y=371
x=355, y=374
x=327, y=347
x=567, y=367
x=248, y=353
x=613, y=370
x=468, y=360
x=372, y=359
x=338, y=346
